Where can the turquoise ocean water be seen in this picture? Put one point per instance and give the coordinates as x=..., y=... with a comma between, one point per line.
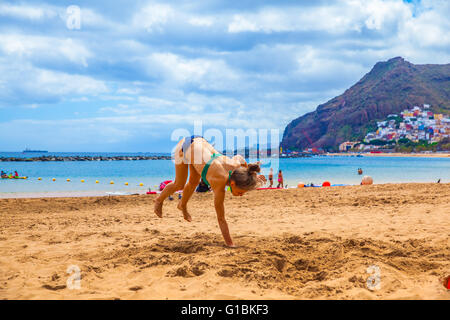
x=337, y=170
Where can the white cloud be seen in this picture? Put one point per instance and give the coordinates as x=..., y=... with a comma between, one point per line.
x=206, y=74
x=116, y=98
x=80, y=99
x=153, y=17
x=270, y=20
x=120, y=109
x=378, y=13
x=40, y=85
x=428, y=29
x=81, y=132
x=342, y=16
x=201, y=21
x=313, y=64
x=91, y=18
x=150, y=120
x=129, y=91
x=242, y=24
x=153, y=103
x=27, y=12
x=57, y=14
x=25, y=46
x=59, y=83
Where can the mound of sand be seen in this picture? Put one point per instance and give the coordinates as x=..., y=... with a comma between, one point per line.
x=310, y=243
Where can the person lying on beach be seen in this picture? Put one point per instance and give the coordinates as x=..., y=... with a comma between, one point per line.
x=195, y=155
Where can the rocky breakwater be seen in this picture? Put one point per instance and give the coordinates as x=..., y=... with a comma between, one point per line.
x=83, y=158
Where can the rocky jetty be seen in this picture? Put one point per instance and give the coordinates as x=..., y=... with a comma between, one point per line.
x=83, y=158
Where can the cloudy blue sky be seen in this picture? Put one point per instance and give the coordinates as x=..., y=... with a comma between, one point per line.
x=134, y=72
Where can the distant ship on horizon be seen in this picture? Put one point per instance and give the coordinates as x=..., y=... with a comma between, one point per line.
x=29, y=150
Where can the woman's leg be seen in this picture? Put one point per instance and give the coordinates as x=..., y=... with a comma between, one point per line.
x=181, y=174
x=188, y=190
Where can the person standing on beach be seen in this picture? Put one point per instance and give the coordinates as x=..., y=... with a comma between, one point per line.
x=194, y=155
x=280, y=179
x=271, y=177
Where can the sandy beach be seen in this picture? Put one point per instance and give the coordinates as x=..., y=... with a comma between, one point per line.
x=394, y=154
x=310, y=243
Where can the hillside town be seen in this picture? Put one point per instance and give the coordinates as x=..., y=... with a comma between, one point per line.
x=418, y=124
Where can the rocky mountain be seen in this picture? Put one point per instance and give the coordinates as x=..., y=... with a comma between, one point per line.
x=389, y=88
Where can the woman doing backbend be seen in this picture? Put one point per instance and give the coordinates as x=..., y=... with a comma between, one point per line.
x=195, y=155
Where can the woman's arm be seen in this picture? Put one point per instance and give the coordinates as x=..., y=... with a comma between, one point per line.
x=219, y=197
x=238, y=159
x=262, y=178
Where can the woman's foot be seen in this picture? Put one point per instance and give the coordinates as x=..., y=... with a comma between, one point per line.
x=186, y=214
x=158, y=208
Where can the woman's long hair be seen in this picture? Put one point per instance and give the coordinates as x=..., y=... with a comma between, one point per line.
x=246, y=178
